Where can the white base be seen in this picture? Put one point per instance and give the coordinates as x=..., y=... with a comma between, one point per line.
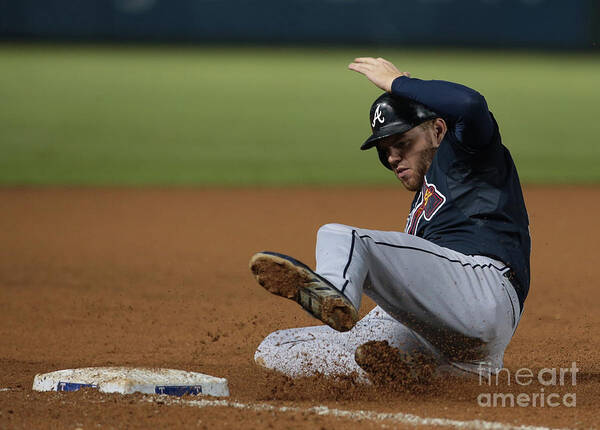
x=127, y=380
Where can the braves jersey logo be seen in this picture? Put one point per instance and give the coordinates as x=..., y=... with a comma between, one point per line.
x=377, y=116
x=430, y=201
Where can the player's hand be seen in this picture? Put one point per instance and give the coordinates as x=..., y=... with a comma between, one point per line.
x=377, y=70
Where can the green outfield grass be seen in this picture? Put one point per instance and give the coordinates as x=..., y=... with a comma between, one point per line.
x=268, y=116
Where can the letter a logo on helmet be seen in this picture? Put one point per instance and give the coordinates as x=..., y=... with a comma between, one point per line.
x=399, y=114
x=377, y=116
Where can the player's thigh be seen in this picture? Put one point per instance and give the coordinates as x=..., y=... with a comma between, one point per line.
x=434, y=289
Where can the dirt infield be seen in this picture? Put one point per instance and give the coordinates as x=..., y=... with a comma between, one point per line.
x=159, y=278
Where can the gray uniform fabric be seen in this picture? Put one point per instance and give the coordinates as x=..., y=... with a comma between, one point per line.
x=459, y=309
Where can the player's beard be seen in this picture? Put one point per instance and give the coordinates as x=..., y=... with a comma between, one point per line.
x=415, y=181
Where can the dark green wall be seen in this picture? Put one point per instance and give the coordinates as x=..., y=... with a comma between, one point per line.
x=498, y=23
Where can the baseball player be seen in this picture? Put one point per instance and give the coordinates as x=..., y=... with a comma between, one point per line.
x=450, y=288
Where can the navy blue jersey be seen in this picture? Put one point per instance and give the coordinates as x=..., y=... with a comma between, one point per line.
x=471, y=200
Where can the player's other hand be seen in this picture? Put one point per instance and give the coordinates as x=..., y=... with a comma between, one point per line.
x=377, y=70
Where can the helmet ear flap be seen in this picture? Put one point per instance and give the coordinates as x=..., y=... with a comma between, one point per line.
x=383, y=158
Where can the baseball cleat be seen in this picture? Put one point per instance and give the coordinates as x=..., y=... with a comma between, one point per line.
x=286, y=277
x=387, y=365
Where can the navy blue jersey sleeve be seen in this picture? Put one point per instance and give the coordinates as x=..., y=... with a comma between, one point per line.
x=463, y=107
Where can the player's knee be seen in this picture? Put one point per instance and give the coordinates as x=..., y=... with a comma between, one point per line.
x=333, y=228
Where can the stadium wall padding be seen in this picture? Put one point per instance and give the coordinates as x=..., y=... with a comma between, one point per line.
x=479, y=23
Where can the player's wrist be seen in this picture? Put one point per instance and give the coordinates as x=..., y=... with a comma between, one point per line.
x=397, y=82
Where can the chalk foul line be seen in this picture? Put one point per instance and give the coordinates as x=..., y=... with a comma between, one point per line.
x=397, y=417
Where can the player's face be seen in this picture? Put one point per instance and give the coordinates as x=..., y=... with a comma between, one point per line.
x=410, y=155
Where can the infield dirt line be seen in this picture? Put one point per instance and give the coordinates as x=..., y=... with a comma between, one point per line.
x=398, y=417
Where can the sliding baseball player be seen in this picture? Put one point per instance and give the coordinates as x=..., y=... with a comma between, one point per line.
x=450, y=288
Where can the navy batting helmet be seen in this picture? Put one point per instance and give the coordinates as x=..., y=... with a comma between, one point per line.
x=391, y=115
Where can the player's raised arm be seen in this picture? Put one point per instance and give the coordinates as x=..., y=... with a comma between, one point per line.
x=463, y=107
